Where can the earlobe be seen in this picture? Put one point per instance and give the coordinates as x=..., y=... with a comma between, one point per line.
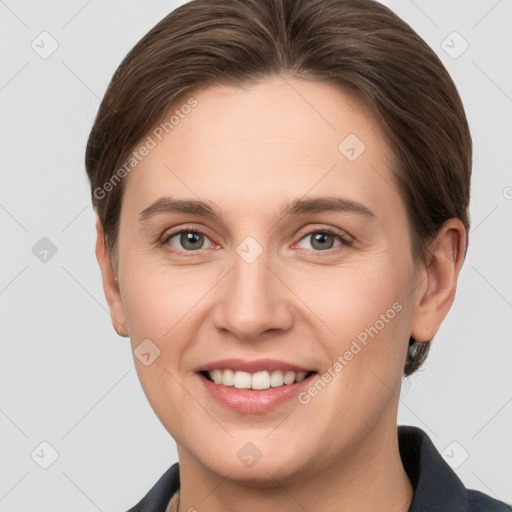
x=110, y=282
x=434, y=300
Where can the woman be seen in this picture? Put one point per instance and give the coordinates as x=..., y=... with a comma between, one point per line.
x=282, y=190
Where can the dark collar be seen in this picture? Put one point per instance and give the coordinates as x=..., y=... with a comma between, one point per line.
x=436, y=486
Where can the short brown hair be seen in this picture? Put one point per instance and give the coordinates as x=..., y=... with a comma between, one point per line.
x=356, y=44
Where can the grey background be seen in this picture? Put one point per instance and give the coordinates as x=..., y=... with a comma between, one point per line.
x=69, y=380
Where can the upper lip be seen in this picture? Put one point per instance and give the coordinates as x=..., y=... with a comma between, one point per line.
x=258, y=365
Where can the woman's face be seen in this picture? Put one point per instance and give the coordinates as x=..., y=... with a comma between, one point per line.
x=306, y=267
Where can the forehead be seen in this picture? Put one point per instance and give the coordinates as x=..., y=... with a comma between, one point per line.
x=279, y=110
x=281, y=137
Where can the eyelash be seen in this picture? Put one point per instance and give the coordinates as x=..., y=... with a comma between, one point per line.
x=345, y=241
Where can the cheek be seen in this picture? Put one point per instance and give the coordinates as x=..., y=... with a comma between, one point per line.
x=364, y=315
x=157, y=301
x=351, y=298
x=158, y=308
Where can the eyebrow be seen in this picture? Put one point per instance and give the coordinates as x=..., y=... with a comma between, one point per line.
x=296, y=207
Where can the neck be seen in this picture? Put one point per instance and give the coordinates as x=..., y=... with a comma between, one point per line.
x=370, y=477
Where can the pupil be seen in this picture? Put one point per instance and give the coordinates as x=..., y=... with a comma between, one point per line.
x=190, y=238
x=320, y=237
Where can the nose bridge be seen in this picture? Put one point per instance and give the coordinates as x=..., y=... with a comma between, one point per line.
x=254, y=301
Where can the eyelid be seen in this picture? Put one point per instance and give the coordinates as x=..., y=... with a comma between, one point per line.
x=163, y=240
x=345, y=238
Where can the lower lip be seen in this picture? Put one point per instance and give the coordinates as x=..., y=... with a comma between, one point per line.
x=252, y=400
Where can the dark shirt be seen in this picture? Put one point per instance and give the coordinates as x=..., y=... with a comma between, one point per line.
x=436, y=486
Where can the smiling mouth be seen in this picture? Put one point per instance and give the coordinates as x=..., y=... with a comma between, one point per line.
x=255, y=381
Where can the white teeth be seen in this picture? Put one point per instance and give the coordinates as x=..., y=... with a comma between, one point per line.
x=261, y=380
x=258, y=380
x=276, y=379
x=289, y=377
x=228, y=377
x=216, y=375
x=300, y=376
x=242, y=380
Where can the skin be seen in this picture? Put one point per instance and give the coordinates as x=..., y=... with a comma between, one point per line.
x=249, y=150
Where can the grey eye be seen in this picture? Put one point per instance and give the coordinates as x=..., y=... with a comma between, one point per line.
x=321, y=240
x=188, y=240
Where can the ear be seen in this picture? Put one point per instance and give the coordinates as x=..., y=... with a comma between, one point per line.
x=437, y=281
x=110, y=283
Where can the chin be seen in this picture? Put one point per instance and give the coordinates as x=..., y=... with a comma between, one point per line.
x=258, y=468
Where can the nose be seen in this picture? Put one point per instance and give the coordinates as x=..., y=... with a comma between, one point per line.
x=253, y=299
